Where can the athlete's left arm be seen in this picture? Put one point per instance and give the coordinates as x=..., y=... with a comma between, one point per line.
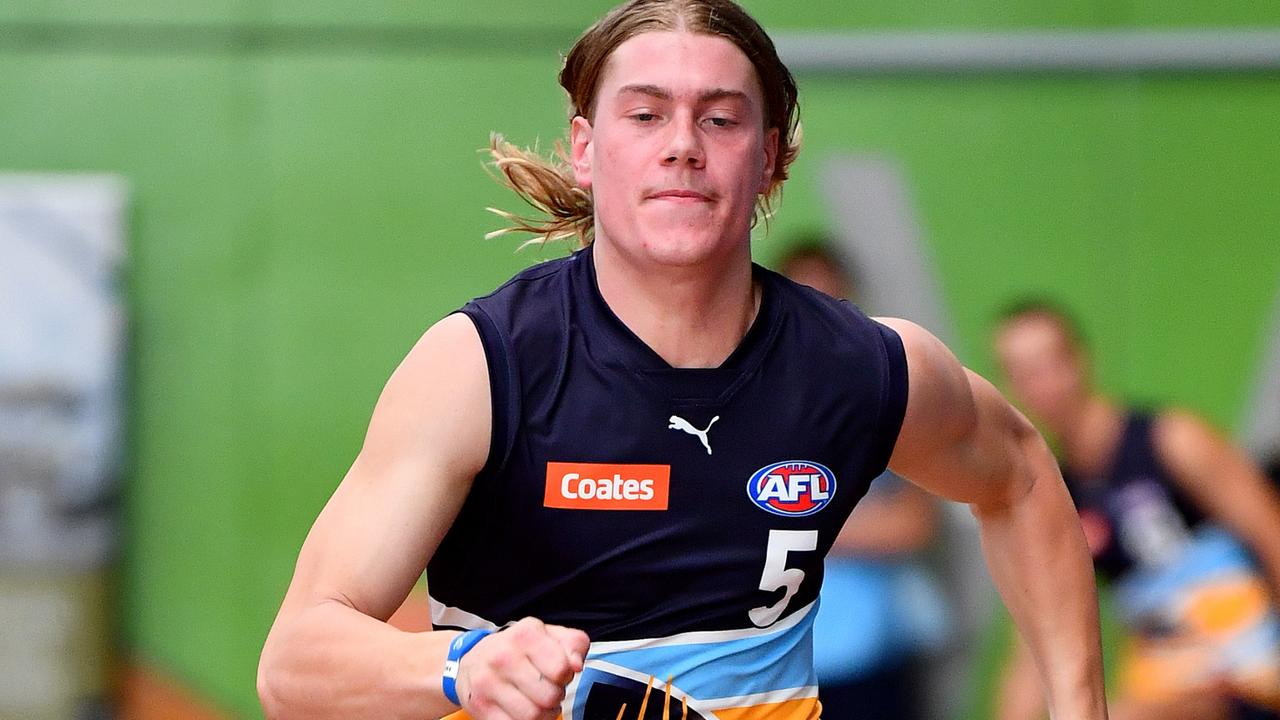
x=1229, y=487
x=962, y=440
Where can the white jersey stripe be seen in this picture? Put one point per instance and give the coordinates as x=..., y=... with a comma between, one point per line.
x=703, y=636
x=442, y=614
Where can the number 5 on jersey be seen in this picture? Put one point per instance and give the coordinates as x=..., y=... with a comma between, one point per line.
x=776, y=573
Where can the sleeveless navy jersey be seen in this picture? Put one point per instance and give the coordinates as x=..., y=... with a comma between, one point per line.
x=1135, y=511
x=678, y=516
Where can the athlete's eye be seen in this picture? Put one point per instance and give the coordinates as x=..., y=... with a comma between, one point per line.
x=644, y=117
x=721, y=122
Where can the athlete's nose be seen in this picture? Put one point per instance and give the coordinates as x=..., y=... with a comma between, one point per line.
x=684, y=144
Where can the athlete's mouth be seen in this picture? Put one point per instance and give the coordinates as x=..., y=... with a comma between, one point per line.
x=680, y=195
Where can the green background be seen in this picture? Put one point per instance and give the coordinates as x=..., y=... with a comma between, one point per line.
x=308, y=198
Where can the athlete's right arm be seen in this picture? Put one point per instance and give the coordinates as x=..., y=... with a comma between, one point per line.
x=330, y=653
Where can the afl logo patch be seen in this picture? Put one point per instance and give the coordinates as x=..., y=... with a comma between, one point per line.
x=793, y=488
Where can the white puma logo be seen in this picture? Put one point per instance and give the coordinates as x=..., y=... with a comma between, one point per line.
x=679, y=423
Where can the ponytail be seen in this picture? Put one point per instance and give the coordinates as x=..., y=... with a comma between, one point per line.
x=549, y=187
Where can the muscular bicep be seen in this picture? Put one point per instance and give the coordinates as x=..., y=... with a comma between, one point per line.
x=959, y=438
x=427, y=439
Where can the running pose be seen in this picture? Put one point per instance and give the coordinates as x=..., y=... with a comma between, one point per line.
x=622, y=469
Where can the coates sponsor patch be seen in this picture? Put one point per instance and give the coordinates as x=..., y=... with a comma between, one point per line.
x=793, y=487
x=606, y=486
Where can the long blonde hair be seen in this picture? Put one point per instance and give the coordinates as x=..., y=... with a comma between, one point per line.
x=547, y=183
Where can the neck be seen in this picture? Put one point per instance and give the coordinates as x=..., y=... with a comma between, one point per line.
x=692, y=316
x=1090, y=435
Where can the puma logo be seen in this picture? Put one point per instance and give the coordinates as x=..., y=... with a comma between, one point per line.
x=679, y=423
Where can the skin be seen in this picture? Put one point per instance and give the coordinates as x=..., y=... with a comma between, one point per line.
x=677, y=271
x=1048, y=373
x=330, y=653
x=963, y=441
x=676, y=155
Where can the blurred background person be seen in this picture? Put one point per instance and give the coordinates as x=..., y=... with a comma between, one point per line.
x=881, y=609
x=1183, y=527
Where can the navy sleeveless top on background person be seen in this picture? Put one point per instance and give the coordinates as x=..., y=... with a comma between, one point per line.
x=678, y=516
x=1134, y=511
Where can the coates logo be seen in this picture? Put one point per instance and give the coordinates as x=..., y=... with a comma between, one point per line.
x=606, y=486
x=794, y=488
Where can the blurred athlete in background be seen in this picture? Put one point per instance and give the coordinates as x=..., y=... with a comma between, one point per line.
x=1182, y=524
x=651, y=445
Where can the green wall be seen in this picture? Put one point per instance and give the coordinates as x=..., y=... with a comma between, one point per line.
x=1149, y=204
x=308, y=199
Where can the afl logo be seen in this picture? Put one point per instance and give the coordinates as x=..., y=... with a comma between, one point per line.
x=793, y=488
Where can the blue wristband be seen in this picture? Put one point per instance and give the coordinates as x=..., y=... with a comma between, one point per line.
x=461, y=645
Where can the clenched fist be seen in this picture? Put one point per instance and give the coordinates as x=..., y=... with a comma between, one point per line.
x=520, y=673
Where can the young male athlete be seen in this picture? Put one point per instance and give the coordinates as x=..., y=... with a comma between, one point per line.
x=1172, y=513
x=622, y=469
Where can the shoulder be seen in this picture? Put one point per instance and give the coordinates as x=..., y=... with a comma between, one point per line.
x=932, y=367
x=545, y=277
x=949, y=403
x=1182, y=438
x=847, y=337
x=453, y=336
x=526, y=316
x=811, y=302
x=1176, y=424
x=436, y=401
x=838, y=326
x=449, y=349
x=450, y=346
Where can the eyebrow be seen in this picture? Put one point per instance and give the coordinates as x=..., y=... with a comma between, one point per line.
x=703, y=96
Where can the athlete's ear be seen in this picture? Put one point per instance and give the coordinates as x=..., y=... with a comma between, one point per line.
x=580, y=146
x=770, y=159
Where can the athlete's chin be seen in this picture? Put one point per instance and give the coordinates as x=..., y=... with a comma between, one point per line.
x=684, y=246
x=680, y=252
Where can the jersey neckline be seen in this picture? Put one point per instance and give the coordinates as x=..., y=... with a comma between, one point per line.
x=635, y=354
